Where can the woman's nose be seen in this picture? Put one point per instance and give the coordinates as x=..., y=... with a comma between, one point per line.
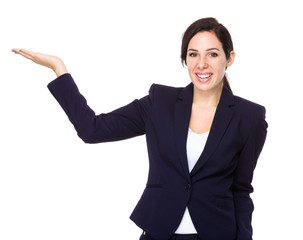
x=202, y=64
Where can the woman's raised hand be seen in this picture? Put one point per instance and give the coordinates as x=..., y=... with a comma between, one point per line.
x=52, y=62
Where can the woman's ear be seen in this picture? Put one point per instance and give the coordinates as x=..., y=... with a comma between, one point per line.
x=231, y=59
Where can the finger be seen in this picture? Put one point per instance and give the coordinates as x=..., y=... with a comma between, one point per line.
x=27, y=54
x=15, y=50
x=34, y=56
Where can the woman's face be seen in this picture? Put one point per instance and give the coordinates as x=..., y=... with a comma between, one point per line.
x=206, y=61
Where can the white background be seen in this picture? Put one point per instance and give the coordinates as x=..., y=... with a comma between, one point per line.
x=53, y=186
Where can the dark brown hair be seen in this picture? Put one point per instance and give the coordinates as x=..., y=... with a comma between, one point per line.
x=208, y=25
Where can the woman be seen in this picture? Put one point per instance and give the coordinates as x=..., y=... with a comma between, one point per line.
x=203, y=142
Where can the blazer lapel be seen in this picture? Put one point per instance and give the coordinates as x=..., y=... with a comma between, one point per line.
x=182, y=117
x=220, y=123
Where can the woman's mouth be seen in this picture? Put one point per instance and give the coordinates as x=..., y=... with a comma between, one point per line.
x=204, y=77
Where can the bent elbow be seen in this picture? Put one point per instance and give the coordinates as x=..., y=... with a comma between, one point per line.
x=87, y=138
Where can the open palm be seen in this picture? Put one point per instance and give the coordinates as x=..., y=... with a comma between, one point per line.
x=52, y=62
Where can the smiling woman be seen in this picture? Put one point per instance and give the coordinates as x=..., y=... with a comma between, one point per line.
x=206, y=62
x=209, y=25
x=203, y=142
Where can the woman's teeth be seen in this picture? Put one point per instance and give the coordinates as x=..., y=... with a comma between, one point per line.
x=204, y=75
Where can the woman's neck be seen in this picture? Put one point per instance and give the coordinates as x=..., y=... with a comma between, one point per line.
x=206, y=99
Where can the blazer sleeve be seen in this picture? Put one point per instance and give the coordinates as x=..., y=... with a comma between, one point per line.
x=123, y=123
x=244, y=174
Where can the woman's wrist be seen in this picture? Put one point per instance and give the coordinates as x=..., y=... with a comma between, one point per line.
x=60, y=68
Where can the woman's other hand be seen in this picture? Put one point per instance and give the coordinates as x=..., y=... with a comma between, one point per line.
x=52, y=62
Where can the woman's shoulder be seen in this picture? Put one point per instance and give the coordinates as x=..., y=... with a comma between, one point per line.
x=249, y=108
x=165, y=88
x=243, y=102
x=164, y=91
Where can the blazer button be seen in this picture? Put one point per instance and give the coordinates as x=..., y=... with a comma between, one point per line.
x=188, y=186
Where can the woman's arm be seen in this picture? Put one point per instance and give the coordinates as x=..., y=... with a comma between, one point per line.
x=244, y=174
x=52, y=62
x=123, y=123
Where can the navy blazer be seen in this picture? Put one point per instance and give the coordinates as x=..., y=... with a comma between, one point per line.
x=217, y=189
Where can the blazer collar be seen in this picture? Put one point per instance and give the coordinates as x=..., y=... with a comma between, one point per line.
x=220, y=123
x=227, y=97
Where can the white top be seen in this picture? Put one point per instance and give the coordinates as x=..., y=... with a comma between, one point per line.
x=194, y=147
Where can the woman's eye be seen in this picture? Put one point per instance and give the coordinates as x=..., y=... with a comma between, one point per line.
x=192, y=54
x=213, y=54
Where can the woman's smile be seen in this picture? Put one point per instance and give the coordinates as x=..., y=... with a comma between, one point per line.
x=204, y=77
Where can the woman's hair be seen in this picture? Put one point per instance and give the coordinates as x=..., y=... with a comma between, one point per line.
x=208, y=25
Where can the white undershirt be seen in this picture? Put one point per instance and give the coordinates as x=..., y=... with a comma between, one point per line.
x=194, y=147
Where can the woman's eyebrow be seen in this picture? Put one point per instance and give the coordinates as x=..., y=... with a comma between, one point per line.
x=209, y=49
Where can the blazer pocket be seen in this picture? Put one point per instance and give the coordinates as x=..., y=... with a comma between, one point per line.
x=153, y=185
